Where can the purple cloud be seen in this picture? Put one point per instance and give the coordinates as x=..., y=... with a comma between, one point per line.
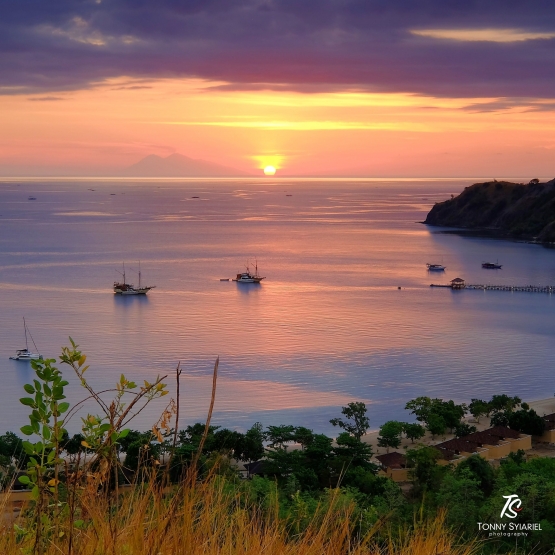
x=305, y=45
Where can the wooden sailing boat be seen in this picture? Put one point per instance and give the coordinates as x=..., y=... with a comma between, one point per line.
x=124, y=288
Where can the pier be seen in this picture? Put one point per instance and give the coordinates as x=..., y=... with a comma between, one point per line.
x=459, y=283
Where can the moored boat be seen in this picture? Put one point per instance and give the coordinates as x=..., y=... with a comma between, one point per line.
x=492, y=265
x=25, y=354
x=124, y=288
x=247, y=277
x=435, y=267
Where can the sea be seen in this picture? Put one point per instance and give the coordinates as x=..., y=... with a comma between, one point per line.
x=345, y=312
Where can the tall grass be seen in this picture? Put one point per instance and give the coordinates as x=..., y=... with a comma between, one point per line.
x=215, y=517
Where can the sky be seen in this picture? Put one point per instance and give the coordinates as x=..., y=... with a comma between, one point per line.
x=370, y=88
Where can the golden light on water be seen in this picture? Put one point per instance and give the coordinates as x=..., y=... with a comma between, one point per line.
x=269, y=170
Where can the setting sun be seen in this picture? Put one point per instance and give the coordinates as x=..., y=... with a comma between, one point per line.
x=269, y=170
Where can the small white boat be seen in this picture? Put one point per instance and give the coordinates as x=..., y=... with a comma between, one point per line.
x=25, y=354
x=435, y=267
x=247, y=277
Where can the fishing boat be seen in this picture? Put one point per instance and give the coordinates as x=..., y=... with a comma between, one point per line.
x=435, y=267
x=124, y=288
x=25, y=354
x=247, y=277
x=492, y=265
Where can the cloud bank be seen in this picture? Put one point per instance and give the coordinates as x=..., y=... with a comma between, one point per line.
x=434, y=47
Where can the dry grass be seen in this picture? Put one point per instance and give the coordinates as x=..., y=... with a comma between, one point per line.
x=213, y=518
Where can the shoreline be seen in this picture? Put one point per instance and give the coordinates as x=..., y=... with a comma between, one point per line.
x=541, y=406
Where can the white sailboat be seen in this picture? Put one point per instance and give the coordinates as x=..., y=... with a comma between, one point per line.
x=25, y=354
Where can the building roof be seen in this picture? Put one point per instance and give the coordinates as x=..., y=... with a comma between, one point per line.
x=471, y=442
x=393, y=460
x=549, y=421
x=459, y=444
x=457, y=280
x=503, y=432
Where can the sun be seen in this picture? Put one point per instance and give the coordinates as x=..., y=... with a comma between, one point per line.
x=269, y=170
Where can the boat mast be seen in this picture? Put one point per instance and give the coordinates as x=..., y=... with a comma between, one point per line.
x=25, y=328
x=139, y=274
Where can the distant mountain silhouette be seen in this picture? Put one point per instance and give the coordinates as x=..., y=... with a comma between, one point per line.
x=177, y=165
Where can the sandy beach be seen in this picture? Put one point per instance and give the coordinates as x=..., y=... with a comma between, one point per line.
x=542, y=407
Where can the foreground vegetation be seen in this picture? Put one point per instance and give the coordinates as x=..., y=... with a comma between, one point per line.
x=179, y=491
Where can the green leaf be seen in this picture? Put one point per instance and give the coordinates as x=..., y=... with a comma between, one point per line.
x=124, y=433
x=62, y=407
x=29, y=388
x=79, y=524
x=46, y=434
x=24, y=480
x=104, y=428
x=27, y=430
x=51, y=456
x=27, y=401
x=35, y=492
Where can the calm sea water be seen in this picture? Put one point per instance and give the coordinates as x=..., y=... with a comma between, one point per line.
x=328, y=325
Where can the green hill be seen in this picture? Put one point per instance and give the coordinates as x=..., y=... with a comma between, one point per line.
x=511, y=210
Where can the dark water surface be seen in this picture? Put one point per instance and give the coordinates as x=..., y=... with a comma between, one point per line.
x=328, y=325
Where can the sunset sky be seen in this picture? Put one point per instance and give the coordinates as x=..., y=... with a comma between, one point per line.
x=313, y=87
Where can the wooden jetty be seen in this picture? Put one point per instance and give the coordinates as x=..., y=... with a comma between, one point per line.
x=459, y=283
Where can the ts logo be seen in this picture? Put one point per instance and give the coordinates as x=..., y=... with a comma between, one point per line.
x=512, y=506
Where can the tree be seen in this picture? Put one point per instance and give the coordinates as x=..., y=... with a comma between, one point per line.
x=500, y=418
x=390, y=434
x=424, y=469
x=436, y=425
x=479, y=408
x=278, y=436
x=429, y=411
x=504, y=403
x=251, y=448
x=420, y=407
x=357, y=423
x=481, y=470
x=413, y=431
x=11, y=450
x=527, y=422
x=350, y=452
x=460, y=494
x=463, y=429
x=303, y=436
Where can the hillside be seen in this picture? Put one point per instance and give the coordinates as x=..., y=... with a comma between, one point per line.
x=512, y=210
x=177, y=165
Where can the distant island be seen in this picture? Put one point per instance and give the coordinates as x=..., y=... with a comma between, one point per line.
x=177, y=165
x=501, y=208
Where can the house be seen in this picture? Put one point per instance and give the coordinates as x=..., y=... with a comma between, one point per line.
x=394, y=466
x=493, y=443
x=549, y=434
x=458, y=283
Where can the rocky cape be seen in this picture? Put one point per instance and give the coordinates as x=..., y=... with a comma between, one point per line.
x=501, y=208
